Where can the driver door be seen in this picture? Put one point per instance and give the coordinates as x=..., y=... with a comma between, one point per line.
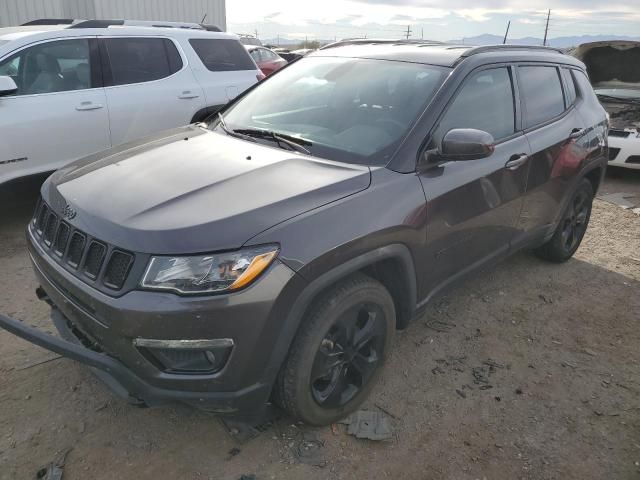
x=474, y=205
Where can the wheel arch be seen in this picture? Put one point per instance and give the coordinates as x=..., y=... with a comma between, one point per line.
x=381, y=264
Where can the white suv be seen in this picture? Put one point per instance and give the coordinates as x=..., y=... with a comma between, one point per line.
x=67, y=91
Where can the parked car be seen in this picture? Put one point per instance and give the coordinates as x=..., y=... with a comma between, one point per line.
x=274, y=253
x=249, y=40
x=615, y=76
x=267, y=60
x=303, y=52
x=88, y=86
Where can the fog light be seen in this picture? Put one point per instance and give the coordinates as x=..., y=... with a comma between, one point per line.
x=195, y=357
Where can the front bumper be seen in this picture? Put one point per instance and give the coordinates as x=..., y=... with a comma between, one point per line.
x=625, y=151
x=252, y=319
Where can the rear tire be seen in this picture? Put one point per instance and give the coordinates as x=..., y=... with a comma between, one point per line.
x=338, y=352
x=572, y=227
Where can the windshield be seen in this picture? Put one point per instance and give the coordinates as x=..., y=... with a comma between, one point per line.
x=349, y=110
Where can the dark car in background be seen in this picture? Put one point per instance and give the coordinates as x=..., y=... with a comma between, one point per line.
x=274, y=253
x=267, y=60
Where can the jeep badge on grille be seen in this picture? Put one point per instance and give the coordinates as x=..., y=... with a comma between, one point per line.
x=68, y=212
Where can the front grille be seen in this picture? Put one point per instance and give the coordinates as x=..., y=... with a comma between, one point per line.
x=117, y=269
x=50, y=228
x=633, y=159
x=76, y=249
x=62, y=237
x=88, y=258
x=95, y=257
x=613, y=153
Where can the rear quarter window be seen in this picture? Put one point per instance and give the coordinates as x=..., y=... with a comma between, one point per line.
x=222, y=55
x=570, y=92
x=542, y=92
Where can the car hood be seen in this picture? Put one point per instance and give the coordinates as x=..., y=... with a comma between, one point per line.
x=194, y=191
x=611, y=64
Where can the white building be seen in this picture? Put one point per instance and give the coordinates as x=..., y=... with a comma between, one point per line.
x=16, y=12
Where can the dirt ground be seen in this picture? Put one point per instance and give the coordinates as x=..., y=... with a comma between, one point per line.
x=526, y=371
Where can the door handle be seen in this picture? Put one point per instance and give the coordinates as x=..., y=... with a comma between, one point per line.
x=516, y=161
x=186, y=95
x=84, y=106
x=577, y=133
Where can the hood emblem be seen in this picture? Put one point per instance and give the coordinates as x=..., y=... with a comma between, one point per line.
x=68, y=212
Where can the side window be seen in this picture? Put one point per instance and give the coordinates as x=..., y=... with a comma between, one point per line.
x=59, y=66
x=485, y=102
x=542, y=93
x=255, y=54
x=584, y=86
x=137, y=60
x=268, y=55
x=571, y=86
x=222, y=55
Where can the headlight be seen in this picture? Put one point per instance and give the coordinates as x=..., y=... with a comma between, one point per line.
x=208, y=273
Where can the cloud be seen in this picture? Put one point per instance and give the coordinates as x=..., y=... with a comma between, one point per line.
x=440, y=18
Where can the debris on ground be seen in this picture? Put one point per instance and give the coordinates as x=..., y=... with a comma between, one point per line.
x=439, y=325
x=624, y=200
x=243, y=430
x=55, y=469
x=369, y=425
x=233, y=452
x=309, y=450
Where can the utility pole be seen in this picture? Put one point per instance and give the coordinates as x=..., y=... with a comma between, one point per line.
x=256, y=32
x=422, y=33
x=546, y=28
x=506, y=34
x=408, y=33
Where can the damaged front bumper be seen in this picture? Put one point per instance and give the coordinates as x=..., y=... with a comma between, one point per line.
x=121, y=379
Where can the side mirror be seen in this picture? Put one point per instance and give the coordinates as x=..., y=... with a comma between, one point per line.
x=466, y=144
x=7, y=86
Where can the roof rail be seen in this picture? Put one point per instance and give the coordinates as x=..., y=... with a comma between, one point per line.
x=492, y=48
x=49, y=21
x=379, y=41
x=142, y=23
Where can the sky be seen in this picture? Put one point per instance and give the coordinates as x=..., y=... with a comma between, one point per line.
x=431, y=19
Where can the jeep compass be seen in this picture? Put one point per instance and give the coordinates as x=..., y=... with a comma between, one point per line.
x=272, y=252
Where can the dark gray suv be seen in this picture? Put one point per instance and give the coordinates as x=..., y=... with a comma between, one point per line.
x=272, y=252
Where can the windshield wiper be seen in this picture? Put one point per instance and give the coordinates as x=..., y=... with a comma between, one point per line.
x=230, y=132
x=294, y=142
x=613, y=98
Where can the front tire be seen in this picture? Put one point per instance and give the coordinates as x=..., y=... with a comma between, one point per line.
x=572, y=227
x=338, y=353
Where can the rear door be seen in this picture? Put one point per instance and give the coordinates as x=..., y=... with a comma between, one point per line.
x=59, y=112
x=473, y=206
x=556, y=134
x=223, y=67
x=148, y=86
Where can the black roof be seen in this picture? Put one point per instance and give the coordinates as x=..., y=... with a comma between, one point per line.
x=435, y=53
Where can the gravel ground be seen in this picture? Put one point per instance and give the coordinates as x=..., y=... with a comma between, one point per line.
x=526, y=370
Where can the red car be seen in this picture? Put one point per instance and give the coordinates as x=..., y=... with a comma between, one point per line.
x=267, y=60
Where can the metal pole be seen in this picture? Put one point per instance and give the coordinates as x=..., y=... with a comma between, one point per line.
x=506, y=34
x=546, y=29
